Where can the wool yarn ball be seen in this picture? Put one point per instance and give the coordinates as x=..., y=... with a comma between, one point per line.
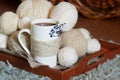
x=24, y=22
x=67, y=56
x=3, y=40
x=93, y=46
x=13, y=43
x=34, y=9
x=85, y=32
x=75, y=39
x=65, y=12
x=8, y=22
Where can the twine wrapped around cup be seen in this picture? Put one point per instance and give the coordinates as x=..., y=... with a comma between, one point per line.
x=45, y=49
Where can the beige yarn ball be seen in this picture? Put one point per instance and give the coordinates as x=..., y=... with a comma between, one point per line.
x=8, y=22
x=34, y=9
x=66, y=13
x=3, y=40
x=13, y=43
x=75, y=39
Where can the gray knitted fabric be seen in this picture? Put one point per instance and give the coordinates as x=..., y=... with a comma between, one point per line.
x=8, y=72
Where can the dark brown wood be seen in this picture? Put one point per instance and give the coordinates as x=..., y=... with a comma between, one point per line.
x=8, y=5
x=108, y=29
x=56, y=1
x=53, y=1
x=108, y=51
x=108, y=45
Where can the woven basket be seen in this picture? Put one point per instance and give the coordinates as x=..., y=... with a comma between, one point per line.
x=98, y=9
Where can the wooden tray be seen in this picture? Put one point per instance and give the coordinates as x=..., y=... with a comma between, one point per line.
x=108, y=51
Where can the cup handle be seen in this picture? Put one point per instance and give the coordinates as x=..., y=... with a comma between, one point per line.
x=20, y=41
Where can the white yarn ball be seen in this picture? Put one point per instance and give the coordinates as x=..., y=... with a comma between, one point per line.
x=66, y=13
x=24, y=22
x=8, y=22
x=3, y=40
x=67, y=56
x=86, y=33
x=34, y=9
x=93, y=46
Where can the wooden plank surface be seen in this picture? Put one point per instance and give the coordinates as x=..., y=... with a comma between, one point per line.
x=108, y=29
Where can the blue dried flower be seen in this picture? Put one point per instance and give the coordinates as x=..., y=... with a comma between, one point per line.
x=55, y=32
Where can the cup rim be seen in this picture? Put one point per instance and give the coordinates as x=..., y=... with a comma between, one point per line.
x=53, y=21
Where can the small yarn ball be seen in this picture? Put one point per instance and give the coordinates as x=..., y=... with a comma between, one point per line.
x=3, y=40
x=67, y=56
x=65, y=12
x=75, y=39
x=86, y=33
x=34, y=9
x=24, y=22
x=13, y=43
x=8, y=22
x=93, y=46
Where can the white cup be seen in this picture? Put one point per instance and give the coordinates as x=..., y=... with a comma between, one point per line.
x=43, y=30
x=44, y=33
